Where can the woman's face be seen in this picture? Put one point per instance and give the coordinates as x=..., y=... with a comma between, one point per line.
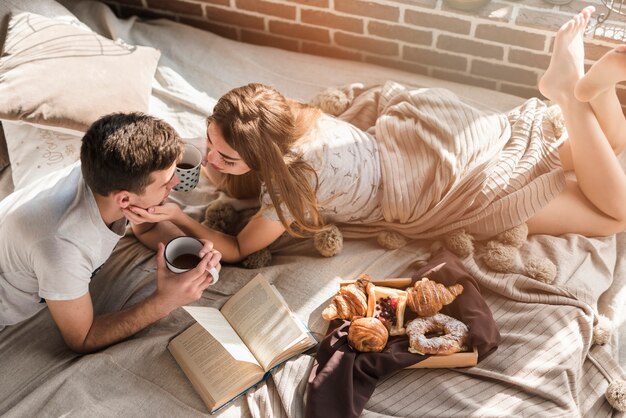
x=220, y=156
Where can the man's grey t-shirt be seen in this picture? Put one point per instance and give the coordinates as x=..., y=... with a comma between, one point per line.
x=52, y=238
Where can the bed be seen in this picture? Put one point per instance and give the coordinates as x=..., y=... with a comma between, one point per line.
x=547, y=363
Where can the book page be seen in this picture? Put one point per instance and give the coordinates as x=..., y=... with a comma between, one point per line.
x=214, y=322
x=213, y=371
x=263, y=321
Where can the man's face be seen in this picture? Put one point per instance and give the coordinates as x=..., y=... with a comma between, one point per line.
x=158, y=190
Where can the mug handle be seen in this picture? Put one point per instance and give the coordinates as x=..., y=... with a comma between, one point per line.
x=216, y=274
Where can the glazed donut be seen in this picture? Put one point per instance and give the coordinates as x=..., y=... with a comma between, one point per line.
x=452, y=341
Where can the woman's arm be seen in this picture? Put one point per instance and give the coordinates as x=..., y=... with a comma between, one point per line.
x=256, y=235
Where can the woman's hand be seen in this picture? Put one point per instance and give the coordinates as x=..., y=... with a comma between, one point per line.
x=153, y=214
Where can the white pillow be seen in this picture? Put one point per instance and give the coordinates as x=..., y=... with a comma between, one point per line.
x=35, y=151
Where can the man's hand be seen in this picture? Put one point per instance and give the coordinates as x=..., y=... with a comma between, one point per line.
x=178, y=289
x=84, y=334
x=154, y=214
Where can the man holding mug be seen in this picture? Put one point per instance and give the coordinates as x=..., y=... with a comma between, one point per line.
x=58, y=230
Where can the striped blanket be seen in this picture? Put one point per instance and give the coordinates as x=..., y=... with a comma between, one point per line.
x=446, y=164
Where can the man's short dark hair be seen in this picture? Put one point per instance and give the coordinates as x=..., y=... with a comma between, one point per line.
x=120, y=151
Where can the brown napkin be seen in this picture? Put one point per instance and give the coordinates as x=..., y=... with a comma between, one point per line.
x=342, y=379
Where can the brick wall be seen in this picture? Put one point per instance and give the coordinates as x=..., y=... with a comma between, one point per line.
x=504, y=45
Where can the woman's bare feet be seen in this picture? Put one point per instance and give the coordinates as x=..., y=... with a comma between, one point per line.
x=602, y=75
x=567, y=61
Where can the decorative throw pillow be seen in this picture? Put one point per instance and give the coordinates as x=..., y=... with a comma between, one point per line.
x=35, y=152
x=55, y=73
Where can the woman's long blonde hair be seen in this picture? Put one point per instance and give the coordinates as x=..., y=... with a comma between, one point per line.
x=262, y=126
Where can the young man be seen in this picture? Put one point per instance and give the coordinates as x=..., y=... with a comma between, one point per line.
x=57, y=231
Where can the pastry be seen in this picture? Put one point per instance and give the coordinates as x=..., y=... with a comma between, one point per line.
x=389, y=307
x=367, y=335
x=453, y=340
x=427, y=297
x=351, y=301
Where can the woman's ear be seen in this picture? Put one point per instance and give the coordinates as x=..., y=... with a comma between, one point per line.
x=121, y=198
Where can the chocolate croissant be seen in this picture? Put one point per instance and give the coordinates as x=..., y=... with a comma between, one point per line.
x=351, y=301
x=367, y=335
x=427, y=297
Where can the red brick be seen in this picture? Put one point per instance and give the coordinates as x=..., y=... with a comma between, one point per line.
x=217, y=2
x=224, y=16
x=260, y=38
x=496, y=12
x=529, y=59
x=544, y=20
x=400, y=33
x=503, y=72
x=469, y=47
x=400, y=65
x=429, y=4
x=595, y=52
x=267, y=8
x=330, y=20
x=224, y=31
x=521, y=91
x=464, y=79
x=314, y=3
x=542, y=4
x=445, y=23
x=437, y=59
x=176, y=6
x=368, y=8
x=366, y=44
x=294, y=30
x=511, y=36
x=330, y=51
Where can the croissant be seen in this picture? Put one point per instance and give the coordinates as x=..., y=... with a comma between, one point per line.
x=351, y=300
x=427, y=297
x=367, y=335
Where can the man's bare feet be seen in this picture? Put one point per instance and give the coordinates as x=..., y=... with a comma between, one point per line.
x=567, y=61
x=603, y=75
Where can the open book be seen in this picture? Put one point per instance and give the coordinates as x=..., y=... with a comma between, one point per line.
x=230, y=350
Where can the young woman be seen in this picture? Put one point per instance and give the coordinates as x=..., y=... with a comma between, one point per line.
x=315, y=169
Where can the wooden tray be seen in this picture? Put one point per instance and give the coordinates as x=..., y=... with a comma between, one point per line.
x=462, y=359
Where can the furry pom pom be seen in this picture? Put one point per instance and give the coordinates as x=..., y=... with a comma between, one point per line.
x=391, y=240
x=220, y=216
x=554, y=115
x=500, y=257
x=329, y=242
x=258, y=259
x=616, y=395
x=602, y=330
x=332, y=101
x=541, y=268
x=459, y=242
x=515, y=236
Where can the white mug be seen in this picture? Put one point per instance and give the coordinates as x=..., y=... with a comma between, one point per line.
x=188, y=169
x=181, y=255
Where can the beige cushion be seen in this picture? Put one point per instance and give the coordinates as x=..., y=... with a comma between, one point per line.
x=35, y=151
x=55, y=73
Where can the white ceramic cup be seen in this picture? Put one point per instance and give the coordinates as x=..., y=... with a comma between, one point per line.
x=181, y=255
x=188, y=169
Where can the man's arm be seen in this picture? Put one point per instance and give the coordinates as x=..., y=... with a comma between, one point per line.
x=85, y=333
